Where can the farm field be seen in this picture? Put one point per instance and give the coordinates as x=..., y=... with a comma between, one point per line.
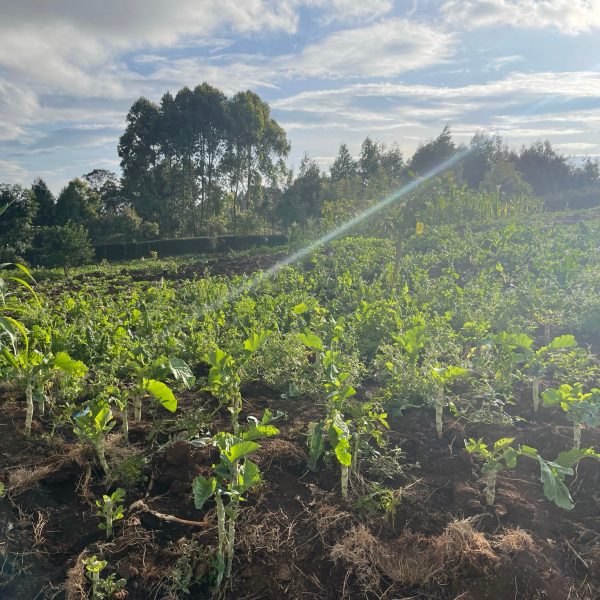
x=333, y=428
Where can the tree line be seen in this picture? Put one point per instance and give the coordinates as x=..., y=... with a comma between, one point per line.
x=202, y=163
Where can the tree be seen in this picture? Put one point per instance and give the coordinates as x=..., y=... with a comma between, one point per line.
x=46, y=203
x=543, y=168
x=16, y=221
x=506, y=179
x=484, y=152
x=106, y=184
x=433, y=153
x=139, y=153
x=370, y=159
x=77, y=202
x=344, y=166
x=255, y=143
x=63, y=246
x=302, y=199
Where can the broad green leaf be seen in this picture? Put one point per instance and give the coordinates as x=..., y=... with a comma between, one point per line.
x=555, y=490
x=249, y=476
x=551, y=397
x=203, y=488
x=239, y=450
x=65, y=363
x=316, y=445
x=257, y=340
x=571, y=457
x=300, y=309
x=312, y=341
x=257, y=431
x=562, y=341
x=502, y=443
x=181, y=371
x=528, y=451
x=510, y=458
x=161, y=392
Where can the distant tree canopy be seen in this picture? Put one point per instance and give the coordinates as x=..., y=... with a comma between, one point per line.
x=202, y=163
x=199, y=153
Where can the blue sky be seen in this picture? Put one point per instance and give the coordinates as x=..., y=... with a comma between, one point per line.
x=332, y=71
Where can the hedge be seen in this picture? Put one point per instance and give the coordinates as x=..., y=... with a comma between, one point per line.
x=176, y=247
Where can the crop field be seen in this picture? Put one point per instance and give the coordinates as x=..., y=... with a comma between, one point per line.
x=339, y=427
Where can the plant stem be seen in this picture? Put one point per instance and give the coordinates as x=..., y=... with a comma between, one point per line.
x=222, y=536
x=102, y=456
x=29, y=413
x=125, y=423
x=344, y=481
x=490, y=487
x=439, y=410
x=137, y=407
x=536, y=394
x=577, y=435
x=235, y=409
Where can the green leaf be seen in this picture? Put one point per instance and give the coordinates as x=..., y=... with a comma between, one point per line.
x=181, y=371
x=555, y=490
x=161, y=392
x=312, y=341
x=239, y=450
x=551, y=397
x=300, y=309
x=571, y=457
x=249, y=476
x=340, y=434
x=316, y=444
x=502, y=443
x=65, y=363
x=257, y=431
x=562, y=341
x=257, y=340
x=203, y=488
x=528, y=451
x=510, y=458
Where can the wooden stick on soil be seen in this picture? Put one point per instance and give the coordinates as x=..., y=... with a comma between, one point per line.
x=141, y=505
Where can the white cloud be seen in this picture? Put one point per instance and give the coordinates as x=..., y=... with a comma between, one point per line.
x=12, y=172
x=383, y=49
x=570, y=17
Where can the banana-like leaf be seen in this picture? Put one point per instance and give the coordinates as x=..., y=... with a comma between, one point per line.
x=161, y=392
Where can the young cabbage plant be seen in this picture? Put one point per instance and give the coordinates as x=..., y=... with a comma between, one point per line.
x=225, y=375
x=148, y=380
x=537, y=363
x=233, y=476
x=442, y=378
x=30, y=371
x=412, y=342
x=581, y=408
x=552, y=473
x=334, y=428
x=102, y=589
x=111, y=510
x=92, y=424
x=513, y=350
x=501, y=456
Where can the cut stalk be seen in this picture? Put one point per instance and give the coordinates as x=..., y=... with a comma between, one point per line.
x=222, y=537
x=102, y=457
x=439, y=411
x=344, y=480
x=125, y=424
x=29, y=413
x=490, y=487
x=536, y=395
x=137, y=407
x=577, y=435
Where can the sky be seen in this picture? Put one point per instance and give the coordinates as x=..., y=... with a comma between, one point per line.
x=332, y=71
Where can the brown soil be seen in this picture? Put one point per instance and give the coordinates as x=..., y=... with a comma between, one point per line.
x=296, y=538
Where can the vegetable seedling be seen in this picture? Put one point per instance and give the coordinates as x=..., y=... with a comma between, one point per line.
x=443, y=377
x=111, y=510
x=102, y=589
x=581, y=408
x=92, y=424
x=233, y=476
